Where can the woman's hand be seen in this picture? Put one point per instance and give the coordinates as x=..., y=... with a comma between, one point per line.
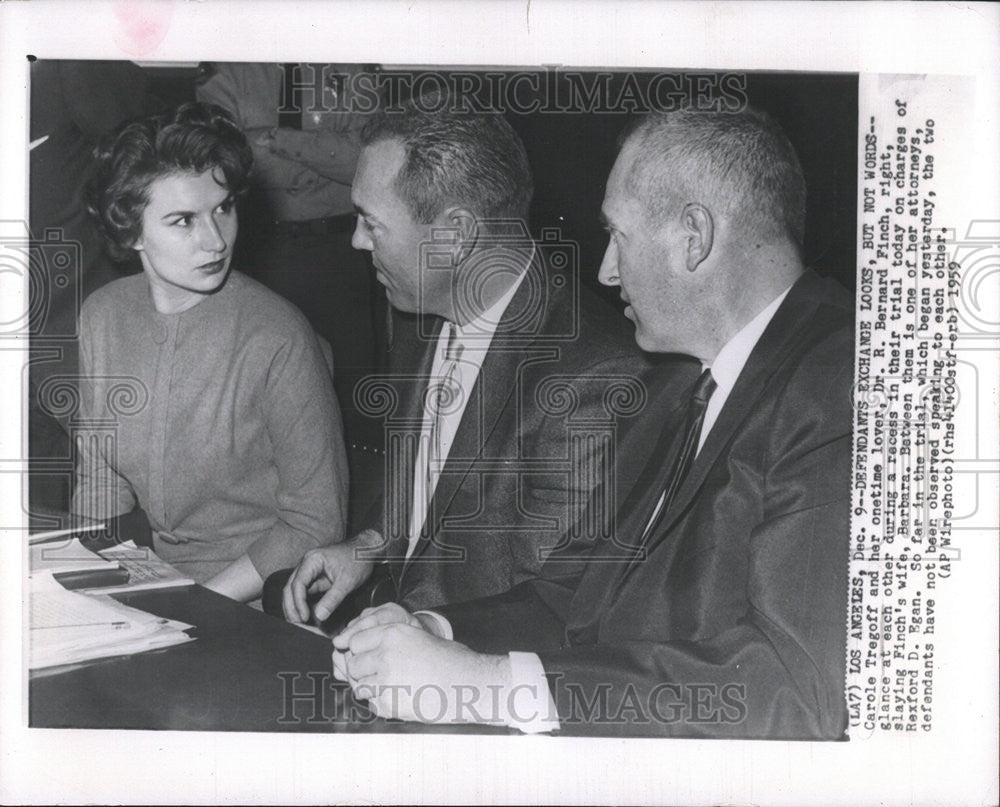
x=239, y=581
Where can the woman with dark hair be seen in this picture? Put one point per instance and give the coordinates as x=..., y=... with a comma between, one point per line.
x=206, y=399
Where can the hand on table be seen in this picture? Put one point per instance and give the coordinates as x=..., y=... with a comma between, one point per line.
x=335, y=570
x=388, y=614
x=404, y=671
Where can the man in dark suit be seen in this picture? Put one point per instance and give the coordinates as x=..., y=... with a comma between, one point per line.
x=728, y=618
x=510, y=389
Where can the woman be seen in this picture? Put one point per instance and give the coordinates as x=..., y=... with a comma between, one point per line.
x=206, y=398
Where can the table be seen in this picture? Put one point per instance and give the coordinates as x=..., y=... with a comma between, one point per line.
x=246, y=671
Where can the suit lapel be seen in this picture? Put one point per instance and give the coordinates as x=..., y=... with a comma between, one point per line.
x=599, y=586
x=641, y=500
x=602, y=584
x=418, y=354
x=413, y=359
x=490, y=396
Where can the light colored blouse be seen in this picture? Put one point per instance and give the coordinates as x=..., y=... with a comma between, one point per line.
x=220, y=422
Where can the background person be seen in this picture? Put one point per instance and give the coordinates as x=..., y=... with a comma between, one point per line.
x=303, y=123
x=73, y=105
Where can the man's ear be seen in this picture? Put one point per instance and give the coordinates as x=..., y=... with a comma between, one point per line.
x=464, y=221
x=466, y=226
x=699, y=233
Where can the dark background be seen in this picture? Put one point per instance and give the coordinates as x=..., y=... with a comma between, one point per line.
x=571, y=154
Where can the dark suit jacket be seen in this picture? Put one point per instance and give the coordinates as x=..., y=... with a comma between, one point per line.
x=734, y=622
x=530, y=475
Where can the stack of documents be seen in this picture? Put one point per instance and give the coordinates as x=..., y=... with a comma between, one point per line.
x=67, y=627
x=118, y=568
x=74, y=565
x=146, y=570
x=67, y=555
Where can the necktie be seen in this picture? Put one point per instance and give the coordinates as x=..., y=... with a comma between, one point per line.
x=691, y=432
x=443, y=397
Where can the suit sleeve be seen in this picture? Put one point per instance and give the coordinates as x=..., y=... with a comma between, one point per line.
x=529, y=617
x=778, y=670
x=533, y=615
x=602, y=440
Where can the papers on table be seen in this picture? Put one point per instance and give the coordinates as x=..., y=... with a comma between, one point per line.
x=66, y=556
x=67, y=627
x=142, y=568
x=146, y=569
x=75, y=566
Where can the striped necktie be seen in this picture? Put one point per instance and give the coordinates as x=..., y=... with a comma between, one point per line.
x=445, y=396
x=691, y=431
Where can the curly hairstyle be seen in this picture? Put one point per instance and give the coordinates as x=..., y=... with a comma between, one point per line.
x=194, y=138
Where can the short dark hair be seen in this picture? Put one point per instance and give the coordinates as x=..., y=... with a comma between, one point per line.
x=192, y=138
x=740, y=160
x=455, y=157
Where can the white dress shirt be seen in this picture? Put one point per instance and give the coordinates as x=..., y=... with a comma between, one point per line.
x=731, y=360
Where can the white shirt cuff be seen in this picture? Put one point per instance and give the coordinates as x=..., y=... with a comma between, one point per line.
x=444, y=626
x=529, y=704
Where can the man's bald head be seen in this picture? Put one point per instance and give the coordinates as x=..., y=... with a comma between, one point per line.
x=705, y=213
x=737, y=164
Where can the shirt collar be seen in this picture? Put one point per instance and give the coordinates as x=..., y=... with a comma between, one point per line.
x=478, y=332
x=734, y=354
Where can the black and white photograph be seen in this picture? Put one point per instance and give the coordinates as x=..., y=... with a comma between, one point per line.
x=570, y=425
